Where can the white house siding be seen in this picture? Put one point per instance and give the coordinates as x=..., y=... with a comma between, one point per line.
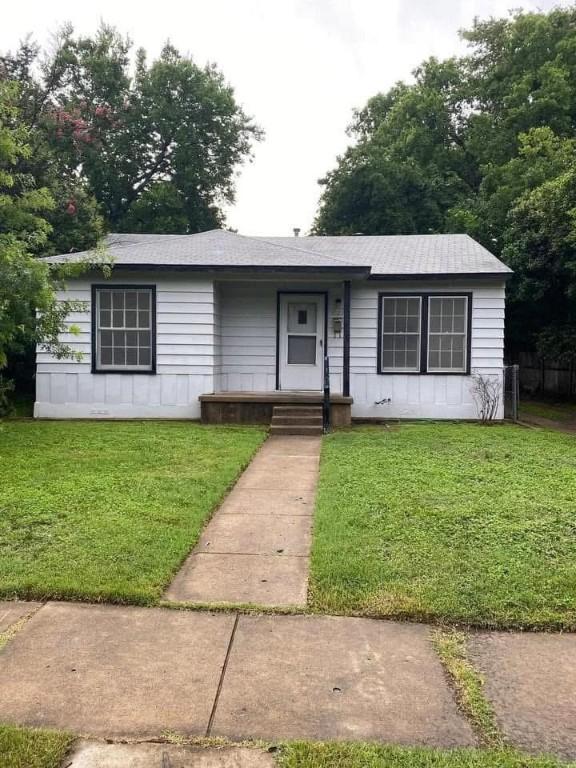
x=430, y=396
x=248, y=317
x=185, y=350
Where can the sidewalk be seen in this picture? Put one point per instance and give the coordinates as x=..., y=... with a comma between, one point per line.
x=135, y=673
x=256, y=547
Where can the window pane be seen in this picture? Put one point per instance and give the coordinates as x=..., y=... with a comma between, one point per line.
x=118, y=318
x=119, y=356
x=143, y=319
x=106, y=338
x=458, y=359
x=446, y=324
x=131, y=316
x=302, y=317
x=301, y=350
x=413, y=324
x=144, y=357
x=389, y=324
x=105, y=300
x=106, y=356
x=388, y=359
x=144, y=300
x=131, y=300
x=144, y=338
x=132, y=338
x=434, y=323
x=411, y=359
x=131, y=356
x=401, y=306
x=118, y=339
x=434, y=360
x=105, y=318
x=118, y=300
x=401, y=324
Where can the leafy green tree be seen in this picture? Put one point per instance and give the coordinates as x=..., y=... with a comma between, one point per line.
x=483, y=144
x=410, y=163
x=158, y=149
x=72, y=218
x=29, y=309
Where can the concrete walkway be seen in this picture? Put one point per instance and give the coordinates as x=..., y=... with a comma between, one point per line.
x=132, y=673
x=128, y=673
x=256, y=547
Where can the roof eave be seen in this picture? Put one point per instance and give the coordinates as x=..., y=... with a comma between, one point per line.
x=243, y=268
x=442, y=276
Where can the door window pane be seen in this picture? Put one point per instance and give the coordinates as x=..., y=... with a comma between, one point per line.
x=301, y=350
x=302, y=317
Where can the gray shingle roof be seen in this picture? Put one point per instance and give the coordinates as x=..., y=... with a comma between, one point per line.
x=401, y=255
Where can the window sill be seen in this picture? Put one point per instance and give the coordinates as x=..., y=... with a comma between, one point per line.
x=123, y=371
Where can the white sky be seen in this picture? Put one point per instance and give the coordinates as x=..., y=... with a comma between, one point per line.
x=298, y=66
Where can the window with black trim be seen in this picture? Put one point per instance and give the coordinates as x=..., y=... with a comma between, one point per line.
x=124, y=328
x=401, y=330
x=424, y=333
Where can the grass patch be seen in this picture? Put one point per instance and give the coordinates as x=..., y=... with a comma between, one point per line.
x=108, y=511
x=448, y=522
x=469, y=686
x=358, y=755
x=554, y=411
x=32, y=748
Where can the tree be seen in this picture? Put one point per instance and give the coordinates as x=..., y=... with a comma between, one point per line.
x=410, y=164
x=73, y=219
x=158, y=149
x=483, y=144
x=29, y=310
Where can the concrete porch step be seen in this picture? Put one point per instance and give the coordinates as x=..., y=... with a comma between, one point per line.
x=297, y=421
x=291, y=429
x=297, y=410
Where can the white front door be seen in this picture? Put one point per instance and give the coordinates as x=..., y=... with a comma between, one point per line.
x=301, y=341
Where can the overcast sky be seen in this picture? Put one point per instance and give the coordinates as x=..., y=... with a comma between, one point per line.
x=298, y=66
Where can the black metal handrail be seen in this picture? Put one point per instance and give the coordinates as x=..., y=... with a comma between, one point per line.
x=326, y=400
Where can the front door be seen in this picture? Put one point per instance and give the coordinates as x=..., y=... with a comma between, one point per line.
x=301, y=341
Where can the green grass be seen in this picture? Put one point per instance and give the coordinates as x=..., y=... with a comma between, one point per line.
x=448, y=522
x=346, y=755
x=552, y=411
x=108, y=511
x=468, y=684
x=32, y=748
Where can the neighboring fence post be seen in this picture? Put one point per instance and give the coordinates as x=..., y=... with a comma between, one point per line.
x=511, y=391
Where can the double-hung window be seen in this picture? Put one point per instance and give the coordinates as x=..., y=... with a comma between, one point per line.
x=124, y=319
x=424, y=333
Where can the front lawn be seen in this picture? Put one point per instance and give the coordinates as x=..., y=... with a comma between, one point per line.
x=32, y=748
x=453, y=522
x=108, y=511
x=345, y=755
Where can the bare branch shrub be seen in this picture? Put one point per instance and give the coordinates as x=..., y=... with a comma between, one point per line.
x=487, y=394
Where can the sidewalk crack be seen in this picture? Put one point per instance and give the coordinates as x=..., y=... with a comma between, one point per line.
x=222, y=675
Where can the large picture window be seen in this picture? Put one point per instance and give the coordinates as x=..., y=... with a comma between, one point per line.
x=424, y=333
x=124, y=319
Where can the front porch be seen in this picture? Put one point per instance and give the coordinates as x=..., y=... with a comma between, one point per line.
x=258, y=407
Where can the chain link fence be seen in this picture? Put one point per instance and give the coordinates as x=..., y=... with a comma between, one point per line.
x=511, y=391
